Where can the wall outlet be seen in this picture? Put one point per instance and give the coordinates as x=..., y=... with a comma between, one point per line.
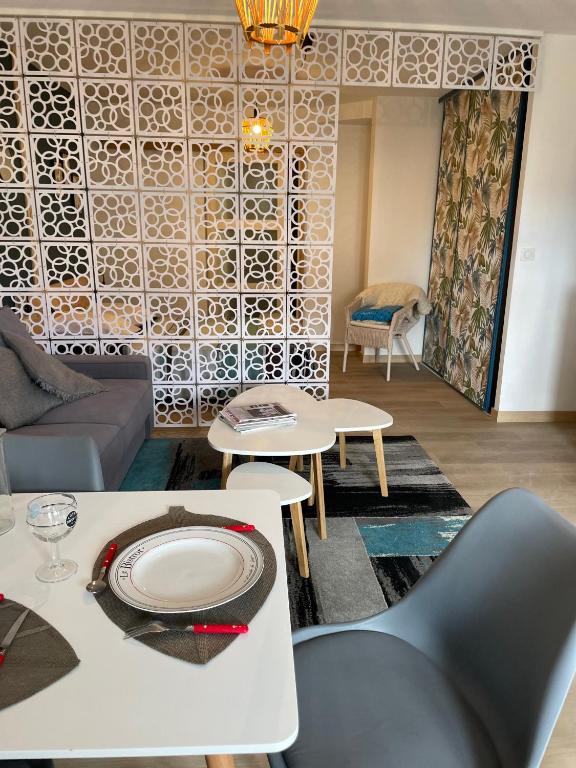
x=528, y=254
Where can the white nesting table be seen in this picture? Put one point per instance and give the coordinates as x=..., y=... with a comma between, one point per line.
x=126, y=700
x=312, y=435
x=348, y=416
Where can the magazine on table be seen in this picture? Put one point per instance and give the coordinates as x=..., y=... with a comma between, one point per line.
x=250, y=417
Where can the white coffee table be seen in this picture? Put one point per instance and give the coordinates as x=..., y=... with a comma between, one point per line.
x=348, y=416
x=312, y=435
x=126, y=700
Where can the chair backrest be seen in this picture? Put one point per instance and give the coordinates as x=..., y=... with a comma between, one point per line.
x=497, y=612
x=387, y=294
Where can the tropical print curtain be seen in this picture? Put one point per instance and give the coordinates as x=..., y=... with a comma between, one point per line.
x=472, y=225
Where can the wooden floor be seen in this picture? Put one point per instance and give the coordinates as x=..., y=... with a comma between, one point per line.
x=479, y=456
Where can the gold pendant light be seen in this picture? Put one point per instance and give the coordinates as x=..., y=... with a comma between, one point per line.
x=256, y=133
x=276, y=22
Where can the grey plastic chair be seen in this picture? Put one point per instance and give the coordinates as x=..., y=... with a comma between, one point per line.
x=470, y=669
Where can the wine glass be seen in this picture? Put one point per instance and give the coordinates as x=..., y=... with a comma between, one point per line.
x=50, y=518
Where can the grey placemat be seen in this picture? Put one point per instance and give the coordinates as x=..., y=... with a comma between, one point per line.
x=38, y=656
x=197, y=649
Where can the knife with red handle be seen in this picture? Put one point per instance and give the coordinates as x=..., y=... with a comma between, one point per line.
x=245, y=528
x=10, y=636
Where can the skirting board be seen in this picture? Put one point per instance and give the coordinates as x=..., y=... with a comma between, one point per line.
x=535, y=416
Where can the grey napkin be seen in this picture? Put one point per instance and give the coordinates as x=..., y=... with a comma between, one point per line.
x=38, y=656
x=197, y=649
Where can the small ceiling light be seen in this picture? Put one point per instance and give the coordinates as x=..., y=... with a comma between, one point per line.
x=276, y=22
x=256, y=133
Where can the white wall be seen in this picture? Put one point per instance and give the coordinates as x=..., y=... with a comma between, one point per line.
x=407, y=130
x=350, y=235
x=538, y=366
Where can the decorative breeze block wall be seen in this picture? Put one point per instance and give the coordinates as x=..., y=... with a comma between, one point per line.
x=133, y=222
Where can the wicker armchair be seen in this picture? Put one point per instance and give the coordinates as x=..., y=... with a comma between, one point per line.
x=369, y=333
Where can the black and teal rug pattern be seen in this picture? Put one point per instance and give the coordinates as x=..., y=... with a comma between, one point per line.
x=377, y=548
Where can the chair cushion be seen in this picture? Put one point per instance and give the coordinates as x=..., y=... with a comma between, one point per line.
x=49, y=373
x=367, y=699
x=376, y=314
x=21, y=401
x=123, y=401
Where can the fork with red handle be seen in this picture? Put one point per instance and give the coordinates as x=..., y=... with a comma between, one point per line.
x=152, y=627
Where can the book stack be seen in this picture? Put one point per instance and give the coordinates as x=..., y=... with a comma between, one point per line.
x=249, y=418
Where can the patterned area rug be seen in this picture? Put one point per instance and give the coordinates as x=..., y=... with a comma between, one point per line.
x=377, y=548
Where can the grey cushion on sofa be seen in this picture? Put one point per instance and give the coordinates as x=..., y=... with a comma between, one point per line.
x=48, y=372
x=9, y=322
x=21, y=401
x=87, y=445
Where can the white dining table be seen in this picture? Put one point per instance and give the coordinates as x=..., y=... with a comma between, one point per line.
x=312, y=434
x=125, y=699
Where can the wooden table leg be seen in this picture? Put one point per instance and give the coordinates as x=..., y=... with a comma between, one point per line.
x=300, y=538
x=226, y=467
x=300, y=463
x=250, y=458
x=220, y=761
x=312, y=497
x=292, y=463
x=342, y=445
x=320, y=508
x=379, y=448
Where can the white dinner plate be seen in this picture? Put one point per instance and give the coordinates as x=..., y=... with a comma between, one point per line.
x=186, y=569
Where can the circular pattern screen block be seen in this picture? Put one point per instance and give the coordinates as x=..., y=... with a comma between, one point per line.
x=52, y=105
x=168, y=267
x=103, y=48
x=118, y=266
x=67, y=265
x=418, y=59
x=211, y=52
x=367, y=57
x=110, y=161
x=121, y=314
x=159, y=108
x=107, y=106
x=173, y=362
x=163, y=163
x=48, y=46
x=158, y=50
x=20, y=266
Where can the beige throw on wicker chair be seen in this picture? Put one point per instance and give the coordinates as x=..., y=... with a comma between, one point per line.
x=369, y=333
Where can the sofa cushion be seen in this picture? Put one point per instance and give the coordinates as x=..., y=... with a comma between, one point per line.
x=56, y=470
x=9, y=321
x=123, y=401
x=49, y=373
x=21, y=401
x=367, y=699
x=102, y=434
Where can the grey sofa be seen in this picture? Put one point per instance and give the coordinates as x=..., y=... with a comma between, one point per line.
x=89, y=444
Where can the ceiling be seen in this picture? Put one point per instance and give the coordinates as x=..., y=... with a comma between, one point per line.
x=519, y=15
